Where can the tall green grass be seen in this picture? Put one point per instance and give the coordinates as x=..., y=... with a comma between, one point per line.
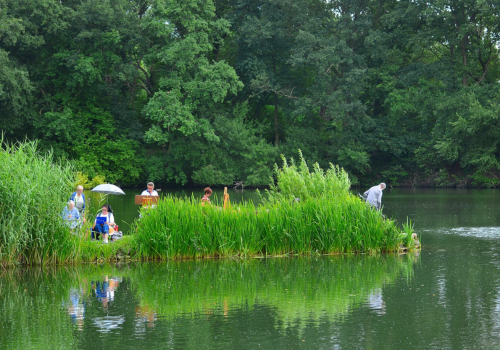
x=297, y=181
x=326, y=220
x=34, y=189
x=182, y=228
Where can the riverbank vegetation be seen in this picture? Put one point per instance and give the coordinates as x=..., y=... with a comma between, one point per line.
x=33, y=191
x=207, y=92
x=305, y=212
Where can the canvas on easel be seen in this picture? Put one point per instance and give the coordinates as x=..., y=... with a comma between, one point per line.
x=146, y=200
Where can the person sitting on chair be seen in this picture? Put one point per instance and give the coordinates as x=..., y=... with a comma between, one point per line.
x=150, y=192
x=70, y=215
x=102, y=223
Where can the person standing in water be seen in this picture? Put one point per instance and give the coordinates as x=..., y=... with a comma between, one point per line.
x=374, y=195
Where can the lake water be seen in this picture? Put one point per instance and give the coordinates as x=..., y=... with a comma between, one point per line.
x=446, y=297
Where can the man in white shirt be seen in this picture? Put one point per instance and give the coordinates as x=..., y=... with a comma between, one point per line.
x=374, y=195
x=150, y=191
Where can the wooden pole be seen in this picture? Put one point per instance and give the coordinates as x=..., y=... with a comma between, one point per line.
x=226, y=198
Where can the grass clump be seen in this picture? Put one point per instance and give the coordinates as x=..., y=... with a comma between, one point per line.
x=33, y=191
x=326, y=220
x=297, y=181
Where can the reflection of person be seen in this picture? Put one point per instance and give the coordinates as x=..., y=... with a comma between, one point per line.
x=103, y=228
x=376, y=302
x=374, y=195
x=205, y=198
x=150, y=191
x=70, y=215
x=145, y=313
x=76, y=306
x=105, y=290
x=79, y=198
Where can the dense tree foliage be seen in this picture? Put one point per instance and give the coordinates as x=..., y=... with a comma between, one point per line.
x=213, y=91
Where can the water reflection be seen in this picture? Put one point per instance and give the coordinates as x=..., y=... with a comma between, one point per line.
x=446, y=298
x=76, y=306
x=376, y=301
x=144, y=301
x=104, y=290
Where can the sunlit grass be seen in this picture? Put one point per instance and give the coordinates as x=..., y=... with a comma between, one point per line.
x=33, y=192
x=327, y=219
x=182, y=228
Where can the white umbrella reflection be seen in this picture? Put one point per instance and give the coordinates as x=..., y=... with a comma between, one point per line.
x=108, y=323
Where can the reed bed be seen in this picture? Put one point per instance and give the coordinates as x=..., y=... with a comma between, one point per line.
x=182, y=228
x=325, y=219
x=34, y=189
x=296, y=181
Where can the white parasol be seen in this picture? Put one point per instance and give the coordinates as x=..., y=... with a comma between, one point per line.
x=108, y=189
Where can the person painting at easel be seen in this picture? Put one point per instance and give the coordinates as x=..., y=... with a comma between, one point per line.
x=208, y=192
x=150, y=191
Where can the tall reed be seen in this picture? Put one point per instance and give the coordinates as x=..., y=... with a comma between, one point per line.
x=327, y=219
x=297, y=181
x=182, y=228
x=34, y=189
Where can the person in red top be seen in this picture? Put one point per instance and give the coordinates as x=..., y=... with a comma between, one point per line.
x=205, y=198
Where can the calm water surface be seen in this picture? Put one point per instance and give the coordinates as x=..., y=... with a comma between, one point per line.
x=448, y=297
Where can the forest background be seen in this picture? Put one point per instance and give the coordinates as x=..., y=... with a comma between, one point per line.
x=204, y=92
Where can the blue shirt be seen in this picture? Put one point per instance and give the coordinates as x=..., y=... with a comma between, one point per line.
x=73, y=220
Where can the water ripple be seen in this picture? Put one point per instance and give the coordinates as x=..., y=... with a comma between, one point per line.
x=478, y=232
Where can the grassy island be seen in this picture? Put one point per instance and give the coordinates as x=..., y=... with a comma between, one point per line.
x=303, y=212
